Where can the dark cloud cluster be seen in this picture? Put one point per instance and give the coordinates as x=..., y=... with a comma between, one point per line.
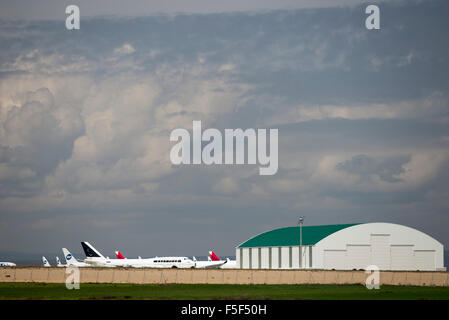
x=386, y=169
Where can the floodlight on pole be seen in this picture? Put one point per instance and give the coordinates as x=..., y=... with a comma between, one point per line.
x=300, y=222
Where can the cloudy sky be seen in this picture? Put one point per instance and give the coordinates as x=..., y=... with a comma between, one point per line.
x=86, y=115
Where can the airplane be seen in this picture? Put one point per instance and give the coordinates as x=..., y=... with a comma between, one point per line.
x=157, y=262
x=230, y=264
x=45, y=262
x=7, y=264
x=213, y=256
x=58, y=263
x=198, y=264
x=71, y=260
x=118, y=255
x=94, y=257
x=209, y=264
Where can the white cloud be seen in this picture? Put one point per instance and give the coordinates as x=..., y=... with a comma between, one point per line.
x=125, y=49
x=36, y=61
x=122, y=123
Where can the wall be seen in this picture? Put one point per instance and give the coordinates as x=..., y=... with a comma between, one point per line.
x=219, y=276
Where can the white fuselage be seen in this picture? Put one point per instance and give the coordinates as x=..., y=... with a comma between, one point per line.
x=230, y=264
x=71, y=260
x=158, y=262
x=76, y=263
x=7, y=264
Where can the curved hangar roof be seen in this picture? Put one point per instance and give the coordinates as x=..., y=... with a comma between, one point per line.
x=289, y=236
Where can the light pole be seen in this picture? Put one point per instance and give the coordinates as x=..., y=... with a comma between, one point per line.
x=300, y=222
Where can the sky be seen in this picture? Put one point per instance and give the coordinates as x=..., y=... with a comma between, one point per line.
x=86, y=116
x=52, y=9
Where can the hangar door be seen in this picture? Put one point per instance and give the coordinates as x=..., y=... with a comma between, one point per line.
x=245, y=258
x=402, y=257
x=425, y=260
x=334, y=259
x=358, y=256
x=380, y=251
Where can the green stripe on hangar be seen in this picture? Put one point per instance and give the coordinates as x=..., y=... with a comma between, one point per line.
x=289, y=236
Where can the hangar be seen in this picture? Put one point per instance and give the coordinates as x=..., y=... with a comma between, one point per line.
x=342, y=247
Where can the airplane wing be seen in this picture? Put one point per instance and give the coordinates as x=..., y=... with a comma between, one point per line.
x=213, y=264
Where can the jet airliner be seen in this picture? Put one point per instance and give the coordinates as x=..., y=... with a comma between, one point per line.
x=7, y=264
x=95, y=258
x=230, y=264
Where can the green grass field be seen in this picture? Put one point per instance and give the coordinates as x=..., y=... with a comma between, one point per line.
x=215, y=292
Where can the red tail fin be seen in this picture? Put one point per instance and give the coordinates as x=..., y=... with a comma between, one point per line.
x=213, y=256
x=119, y=255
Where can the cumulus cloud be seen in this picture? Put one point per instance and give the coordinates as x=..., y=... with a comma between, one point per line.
x=35, y=137
x=125, y=49
x=36, y=61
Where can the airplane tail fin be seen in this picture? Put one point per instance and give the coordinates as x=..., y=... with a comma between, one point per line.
x=213, y=256
x=45, y=262
x=90, y=251
x=194, y=259
x=69, y=259
x=58, y=262
x=119, y=255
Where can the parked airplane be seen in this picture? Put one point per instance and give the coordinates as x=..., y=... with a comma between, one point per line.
x=71, y=260
x=7, y=264
x=213, y=256
x=94, y=257
x=58, y=262
x=45, y=262
x=209, y=264
x=230, y=264
x=119, y=255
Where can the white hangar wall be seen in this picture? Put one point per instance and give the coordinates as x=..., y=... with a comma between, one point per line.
x=284, y=257
x=386, y=245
